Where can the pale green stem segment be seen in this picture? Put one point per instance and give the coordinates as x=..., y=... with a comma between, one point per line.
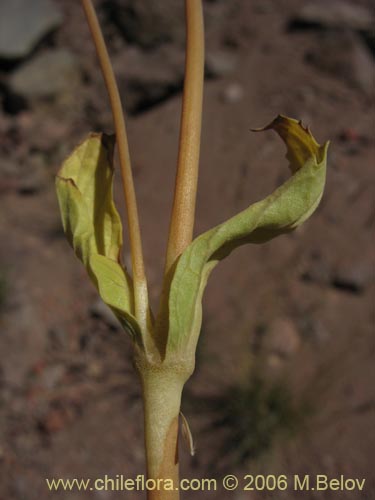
x=162, y=387
x=139, y=278
x=183, y=212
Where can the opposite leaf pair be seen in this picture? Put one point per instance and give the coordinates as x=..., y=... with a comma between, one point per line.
x=93, y=228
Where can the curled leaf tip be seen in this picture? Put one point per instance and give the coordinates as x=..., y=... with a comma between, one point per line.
x=300, y=143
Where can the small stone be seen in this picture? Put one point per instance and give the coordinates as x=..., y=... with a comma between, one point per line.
x=103, y=312
x=147, y=78
x=54, y=421
x=47, y=75
x=350, y=135
x=49, y=133
x=219, y=64
x=343, y=55
x=318, y=270
x=233, y=93
x=334, y=14
x=23, y=23
x=353, y=277
x=34, y=179
x=314, y=331
x=94, y=369
x=282, y=338
x=58, y=337
x=274, y=363
x=51, y=376
x=148, y=23
x=22, y=486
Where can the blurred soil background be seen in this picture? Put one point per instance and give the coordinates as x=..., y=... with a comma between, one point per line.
x=285, y=371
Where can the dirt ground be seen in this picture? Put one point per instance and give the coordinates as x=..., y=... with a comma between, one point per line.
x=285, y=369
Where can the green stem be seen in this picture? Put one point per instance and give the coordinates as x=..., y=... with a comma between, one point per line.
x=162, y=388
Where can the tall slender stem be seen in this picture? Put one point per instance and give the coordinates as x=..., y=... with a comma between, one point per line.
x=139, y=277
x=183, y=212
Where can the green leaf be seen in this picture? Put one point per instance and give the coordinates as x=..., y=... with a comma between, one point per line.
x=282, y=211
x=92, y=224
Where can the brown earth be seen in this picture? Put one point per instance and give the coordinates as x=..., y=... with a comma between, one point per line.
x=293, y=318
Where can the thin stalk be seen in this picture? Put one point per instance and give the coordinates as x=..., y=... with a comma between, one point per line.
x=183, y=212
x=139, y=276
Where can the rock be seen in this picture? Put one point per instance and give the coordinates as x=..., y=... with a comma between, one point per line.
x=148, y=23
x=233, y=93
x=282, y=338
x=58, y=338
x=94, y=369
x=343, y=55
x=25, y=178
x=220, y=63
x=51, y=376
x=318, y=270
x=45, y=132
x=54, y=421
x=313, y=330
x=47, y=75
x=23, y=23
x=34, y=178
x=334, y=14
x=353, y=277
x=103, y=312
x=274, y=363
x=148, y=78
x=350, y=135
x=22, y=486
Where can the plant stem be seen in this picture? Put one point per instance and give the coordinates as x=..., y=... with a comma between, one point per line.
x=139, y=277
x=162, y=389
x=183, y=212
